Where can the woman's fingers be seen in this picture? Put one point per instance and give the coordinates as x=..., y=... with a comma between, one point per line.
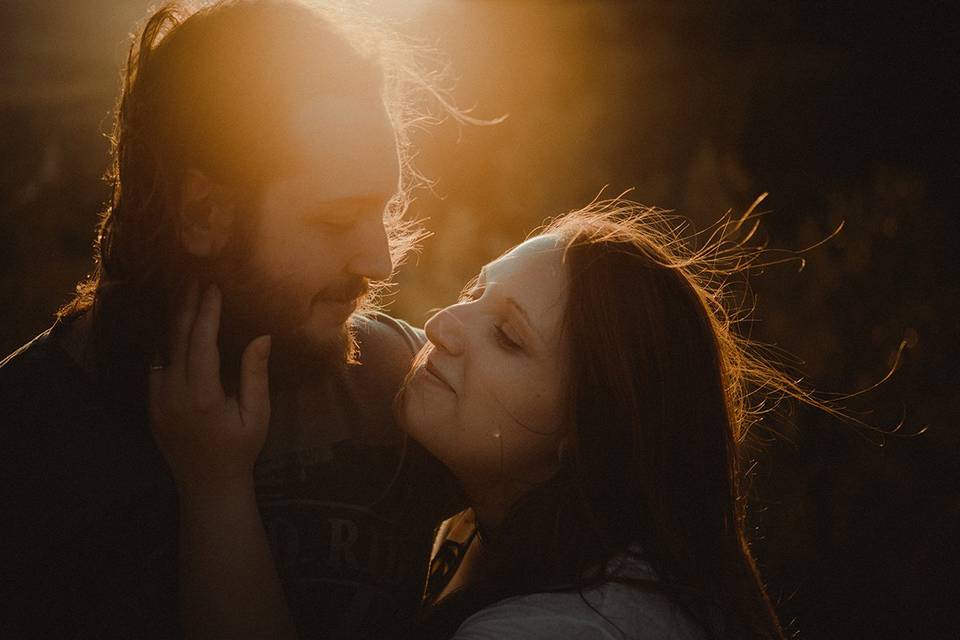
x=254, y=396
x=181, y=327
x=207, y=438
x=203, y=356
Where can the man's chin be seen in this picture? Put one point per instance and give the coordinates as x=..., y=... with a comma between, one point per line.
x=312, y=349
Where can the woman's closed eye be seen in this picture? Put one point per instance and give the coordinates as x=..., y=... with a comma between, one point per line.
x=502, y=336
x=504, y=340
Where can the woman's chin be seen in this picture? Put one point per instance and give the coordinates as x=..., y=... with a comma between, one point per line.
x=410, y=410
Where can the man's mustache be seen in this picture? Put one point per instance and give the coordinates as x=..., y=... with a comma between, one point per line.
x=343, y=291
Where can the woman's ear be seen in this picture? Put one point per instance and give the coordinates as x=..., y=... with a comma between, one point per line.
x=206, y=215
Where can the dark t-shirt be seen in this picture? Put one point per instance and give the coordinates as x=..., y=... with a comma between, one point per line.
x=88, y=547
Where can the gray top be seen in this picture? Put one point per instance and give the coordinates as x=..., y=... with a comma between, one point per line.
x=615, y=612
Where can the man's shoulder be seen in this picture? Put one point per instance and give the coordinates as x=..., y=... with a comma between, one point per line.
x=37, y=365
x=387, y=345
x=43, y=395
x=33, y=352
x=387, y=335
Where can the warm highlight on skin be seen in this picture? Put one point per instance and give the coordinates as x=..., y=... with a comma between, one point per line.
x=181, y=109
x=661, y=397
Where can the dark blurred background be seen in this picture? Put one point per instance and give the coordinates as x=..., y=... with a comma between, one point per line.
x=841, y=111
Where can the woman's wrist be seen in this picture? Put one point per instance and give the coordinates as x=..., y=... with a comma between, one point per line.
x=212, y=490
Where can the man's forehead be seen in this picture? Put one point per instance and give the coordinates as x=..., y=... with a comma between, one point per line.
x=348, y=146
x=332, y=111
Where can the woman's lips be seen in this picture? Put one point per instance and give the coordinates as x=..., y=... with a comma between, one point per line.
x=433, y=374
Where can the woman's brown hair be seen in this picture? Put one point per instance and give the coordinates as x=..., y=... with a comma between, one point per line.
x=664, y=391
x=660, y=395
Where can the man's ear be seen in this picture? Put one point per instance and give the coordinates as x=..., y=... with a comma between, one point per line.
x=206, y=215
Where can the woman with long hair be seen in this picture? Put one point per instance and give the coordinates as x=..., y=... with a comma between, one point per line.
x=591, y=394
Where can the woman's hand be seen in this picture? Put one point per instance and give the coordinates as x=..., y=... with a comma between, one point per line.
x=210, y=440
x=230, y=587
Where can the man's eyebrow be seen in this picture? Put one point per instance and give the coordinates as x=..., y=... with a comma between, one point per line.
x=371, y=199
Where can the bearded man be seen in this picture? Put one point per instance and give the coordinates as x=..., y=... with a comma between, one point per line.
x=259, y=146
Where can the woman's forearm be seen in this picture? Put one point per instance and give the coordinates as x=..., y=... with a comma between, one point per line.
x=229, y=584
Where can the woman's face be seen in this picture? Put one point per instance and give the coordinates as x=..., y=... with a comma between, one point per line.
x=486, y=395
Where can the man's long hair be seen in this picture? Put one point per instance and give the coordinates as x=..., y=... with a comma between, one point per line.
x=212, y=89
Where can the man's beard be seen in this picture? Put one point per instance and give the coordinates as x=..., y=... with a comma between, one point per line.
x=255, y=304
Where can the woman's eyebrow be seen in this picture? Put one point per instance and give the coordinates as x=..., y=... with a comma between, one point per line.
x=523, y=312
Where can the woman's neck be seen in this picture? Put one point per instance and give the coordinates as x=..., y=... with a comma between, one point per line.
x=493, y=503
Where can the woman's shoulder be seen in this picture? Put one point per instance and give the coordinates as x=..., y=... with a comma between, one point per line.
x=610, y=611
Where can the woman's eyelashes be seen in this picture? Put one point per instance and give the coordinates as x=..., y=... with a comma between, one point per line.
x=504, y=339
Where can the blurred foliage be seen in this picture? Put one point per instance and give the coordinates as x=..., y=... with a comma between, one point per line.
x=842, y=112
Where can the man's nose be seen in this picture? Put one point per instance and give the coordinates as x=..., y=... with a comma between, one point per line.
x=445, y=330
x=371, y=258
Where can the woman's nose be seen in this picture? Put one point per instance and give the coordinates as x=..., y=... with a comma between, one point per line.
x=445, y=331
